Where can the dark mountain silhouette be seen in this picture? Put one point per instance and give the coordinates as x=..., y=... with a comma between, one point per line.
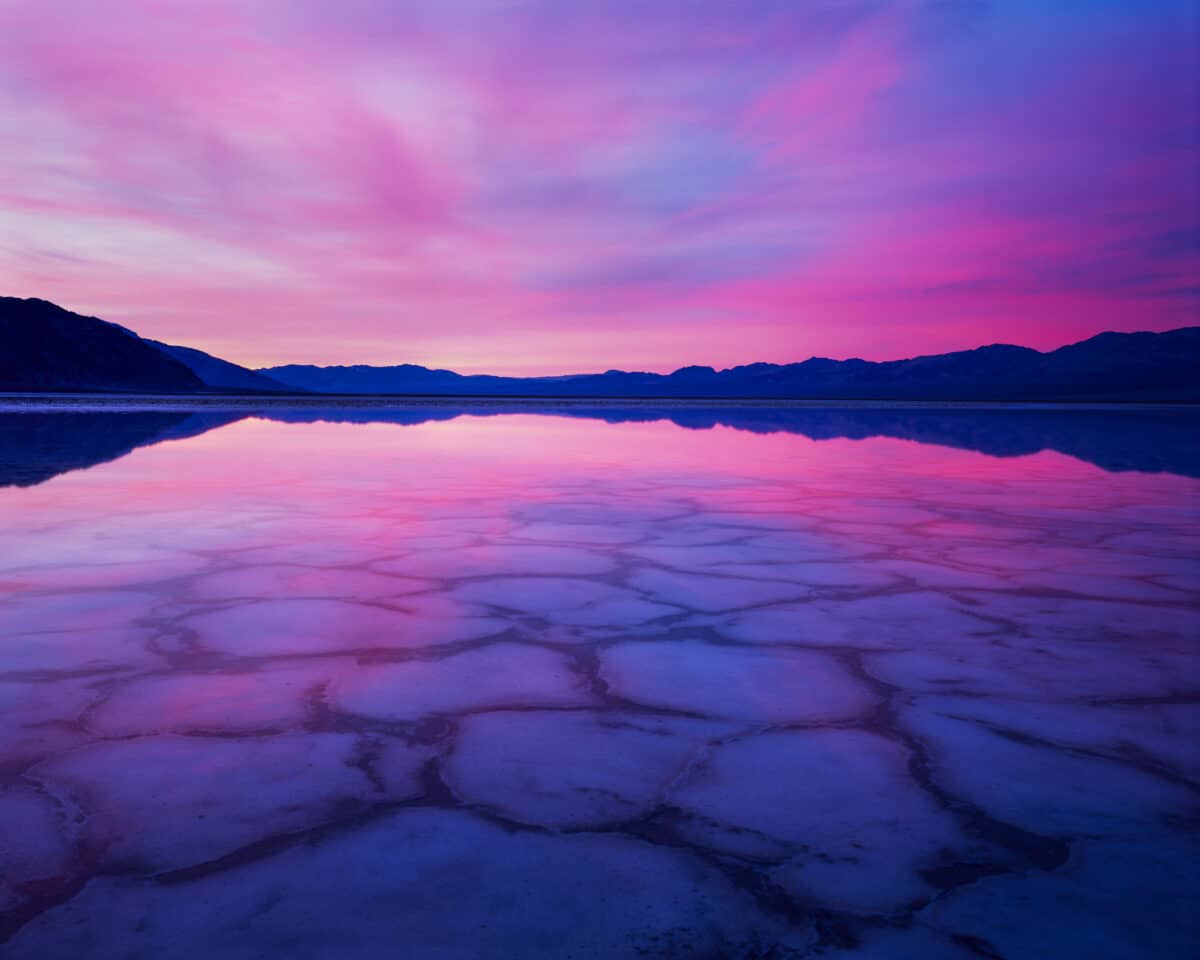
x=46, y=348
x=216, y=372
x=1111, y=366
x=37, y=446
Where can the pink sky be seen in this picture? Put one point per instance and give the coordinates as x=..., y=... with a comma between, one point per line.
x=523, y=186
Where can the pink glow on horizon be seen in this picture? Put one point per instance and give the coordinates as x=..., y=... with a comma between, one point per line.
x=543, y=187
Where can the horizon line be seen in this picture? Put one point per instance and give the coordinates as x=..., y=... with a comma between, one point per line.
x=705, y=366
x=216, y=353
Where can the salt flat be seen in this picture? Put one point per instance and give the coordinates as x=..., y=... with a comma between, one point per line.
x=533, y=684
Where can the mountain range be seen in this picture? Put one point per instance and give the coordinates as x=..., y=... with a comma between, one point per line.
x=45, y=348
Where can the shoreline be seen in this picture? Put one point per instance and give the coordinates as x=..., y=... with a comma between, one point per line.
x=18, y=402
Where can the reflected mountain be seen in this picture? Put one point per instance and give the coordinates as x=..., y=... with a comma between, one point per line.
x=37, y=446
x=1115, y=439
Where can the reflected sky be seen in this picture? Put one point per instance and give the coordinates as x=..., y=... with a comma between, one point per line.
x=794, y=681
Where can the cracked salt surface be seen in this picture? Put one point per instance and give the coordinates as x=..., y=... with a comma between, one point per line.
x=528, y=686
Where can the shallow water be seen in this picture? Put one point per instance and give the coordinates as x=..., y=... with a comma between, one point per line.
x=397, y=680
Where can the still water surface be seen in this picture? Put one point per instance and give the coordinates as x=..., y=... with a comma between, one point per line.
x=418, y=681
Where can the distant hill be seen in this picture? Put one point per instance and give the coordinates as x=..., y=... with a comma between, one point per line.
x=46, y=348
x=405, y=378
x=216, y=372
x=1111, y=366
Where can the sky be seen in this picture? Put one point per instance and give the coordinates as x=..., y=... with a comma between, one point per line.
x=559, y=186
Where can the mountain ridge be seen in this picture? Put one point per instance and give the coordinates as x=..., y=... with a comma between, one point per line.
x=216, y=372
x=1108, y=366
x=46, y=348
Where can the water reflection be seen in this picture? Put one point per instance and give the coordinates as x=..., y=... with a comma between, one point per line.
x=543, y=686
x=39, y=444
